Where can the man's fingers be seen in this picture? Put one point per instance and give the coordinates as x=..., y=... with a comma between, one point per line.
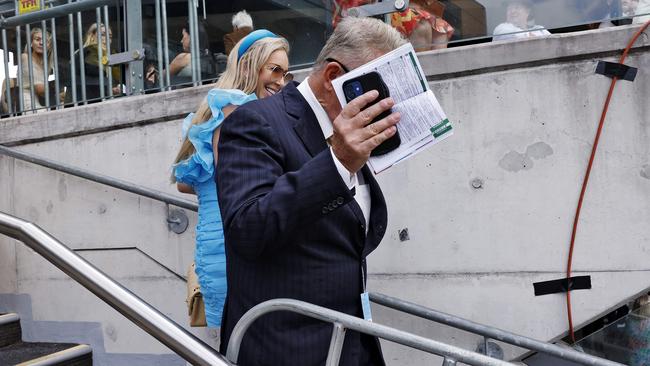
x=371, y=143
x=370, y=113
x=357, y=104
x=376, y=128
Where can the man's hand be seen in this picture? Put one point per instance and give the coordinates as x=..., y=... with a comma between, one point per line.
x=353, y=138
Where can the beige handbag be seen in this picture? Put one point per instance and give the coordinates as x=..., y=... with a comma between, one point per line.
x=195, y=305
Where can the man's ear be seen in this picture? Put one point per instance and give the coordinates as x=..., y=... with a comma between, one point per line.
x=331, y=72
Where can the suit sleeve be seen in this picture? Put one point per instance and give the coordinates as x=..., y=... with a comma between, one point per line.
x=263, y=205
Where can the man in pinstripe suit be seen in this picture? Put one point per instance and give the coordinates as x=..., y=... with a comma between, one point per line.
x=301, y=210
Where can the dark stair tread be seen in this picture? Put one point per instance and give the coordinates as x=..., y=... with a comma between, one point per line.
x=24, y=351
x=10, y=331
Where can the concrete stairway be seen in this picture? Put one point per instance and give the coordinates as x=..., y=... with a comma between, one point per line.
x=13, y=351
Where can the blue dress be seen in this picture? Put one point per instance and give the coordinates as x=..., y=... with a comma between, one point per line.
x=198, y=171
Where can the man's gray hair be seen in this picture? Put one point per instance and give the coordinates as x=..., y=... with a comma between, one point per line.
x=242, y=19
x=356, y=41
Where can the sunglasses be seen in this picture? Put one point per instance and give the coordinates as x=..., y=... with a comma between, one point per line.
x=277, y=72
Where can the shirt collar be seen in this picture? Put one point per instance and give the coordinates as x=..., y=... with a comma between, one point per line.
x=323, y=119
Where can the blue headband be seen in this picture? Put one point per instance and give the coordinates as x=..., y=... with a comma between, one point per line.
x=251, y=38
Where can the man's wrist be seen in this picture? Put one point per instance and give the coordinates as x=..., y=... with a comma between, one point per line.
x=348, y=177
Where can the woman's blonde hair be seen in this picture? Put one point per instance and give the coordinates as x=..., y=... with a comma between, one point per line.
x=236, y=76
x=91, y=36
x=48, y=42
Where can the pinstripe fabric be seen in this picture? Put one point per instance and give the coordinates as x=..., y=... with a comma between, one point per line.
x=292, y=230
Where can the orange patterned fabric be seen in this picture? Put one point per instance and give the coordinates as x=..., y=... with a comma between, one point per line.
x=406, y=21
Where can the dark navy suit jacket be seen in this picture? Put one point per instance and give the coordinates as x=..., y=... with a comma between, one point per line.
x=292, y=230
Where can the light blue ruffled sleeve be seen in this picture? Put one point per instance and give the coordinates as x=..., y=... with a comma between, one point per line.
x=199, y=167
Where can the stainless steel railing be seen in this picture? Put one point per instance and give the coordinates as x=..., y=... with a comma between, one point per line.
x=90, y=80
x=341, y=322
x=124, y=301
x=100, y=178
x=489, y=332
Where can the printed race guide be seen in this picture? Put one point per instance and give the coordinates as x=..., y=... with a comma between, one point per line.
x=423, y=121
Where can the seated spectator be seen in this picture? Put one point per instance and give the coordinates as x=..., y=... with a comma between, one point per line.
x=519, y=23
x=642, y=9
x=628, y=7
x=423, y=25
x=242, y=25
x=37, y=69
x=180, y=69
x=92, y=64
x=340, y=9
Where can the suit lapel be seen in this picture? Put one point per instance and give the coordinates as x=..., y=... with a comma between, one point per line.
x=306, y=125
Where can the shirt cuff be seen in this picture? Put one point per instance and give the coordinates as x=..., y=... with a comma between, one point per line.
x=349, y=179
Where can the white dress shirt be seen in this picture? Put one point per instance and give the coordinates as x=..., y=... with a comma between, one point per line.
x=362, y=195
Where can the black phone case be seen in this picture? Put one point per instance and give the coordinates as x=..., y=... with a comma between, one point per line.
x=373, y=81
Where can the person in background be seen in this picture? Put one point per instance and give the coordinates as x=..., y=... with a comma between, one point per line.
x=517, y=24
x=180, y=68
x=91, y=61
x=301, y=210
x=242, y=25
x=628, y=7
x=423, y=25
x=194, y=167
x=642, y=12
x=37, y=69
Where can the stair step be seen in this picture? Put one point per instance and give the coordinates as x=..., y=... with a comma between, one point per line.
x=46, y=354
x=10, y=332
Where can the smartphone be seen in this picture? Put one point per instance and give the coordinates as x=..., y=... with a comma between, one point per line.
x=372, y=81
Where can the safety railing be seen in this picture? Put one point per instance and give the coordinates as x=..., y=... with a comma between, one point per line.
x=451, y=354
x=489, y=332
x=342, y=322
x=92, y=67
x=124, y=301
x=99, y=178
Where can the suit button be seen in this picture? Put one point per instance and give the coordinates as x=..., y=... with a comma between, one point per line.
x=340, y=200
x=363, y=227
x=324, y=210
x=331, y=206
x=380, y=227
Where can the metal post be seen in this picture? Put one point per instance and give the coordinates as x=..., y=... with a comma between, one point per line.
x=100, y=53
x=485, y=345
x=193, y=30
x=159, y=45
x=165, y=42
x=109, y=32
x=73, y=66
x=46, y=64
x=336, y=345
x=448, y=362
x=30, y=64
x=19, y=74
x=82, y=65
x=55, y=58
x=134, y=31
x=197, y=44
x=5, y=52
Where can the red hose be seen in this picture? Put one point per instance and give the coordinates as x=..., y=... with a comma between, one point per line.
x=586, y=179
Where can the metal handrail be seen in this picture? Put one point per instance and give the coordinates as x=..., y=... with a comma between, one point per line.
x=124, y=301
x=487, y=331
x=100, y=178
x=342, y=322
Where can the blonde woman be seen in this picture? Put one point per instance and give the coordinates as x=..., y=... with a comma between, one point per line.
x=37, y=69
x=257, y=68
x=91, y=60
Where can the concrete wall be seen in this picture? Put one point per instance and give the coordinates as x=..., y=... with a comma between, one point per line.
x=524, y=115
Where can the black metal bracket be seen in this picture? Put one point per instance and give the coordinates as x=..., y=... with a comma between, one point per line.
x=562, y=285
x=613, y=69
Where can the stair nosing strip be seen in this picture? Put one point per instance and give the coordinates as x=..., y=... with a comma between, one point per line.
x=9, y=318
x=54, y=358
